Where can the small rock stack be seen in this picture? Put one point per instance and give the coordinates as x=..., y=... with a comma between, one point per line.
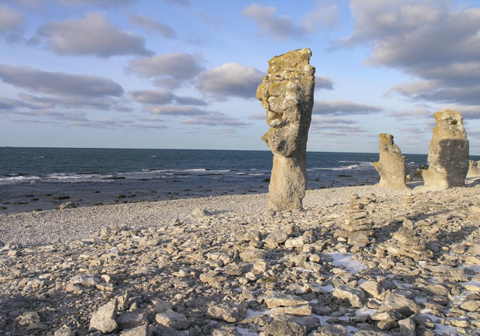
x=357, y=228
x=406, y=243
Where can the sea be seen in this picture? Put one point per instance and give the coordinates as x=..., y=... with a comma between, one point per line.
x=43, y=178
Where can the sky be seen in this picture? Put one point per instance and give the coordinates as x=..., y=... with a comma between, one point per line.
x=183, y=73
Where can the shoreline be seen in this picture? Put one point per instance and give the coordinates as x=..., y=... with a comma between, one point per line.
x=46, y=196
x=82, y=222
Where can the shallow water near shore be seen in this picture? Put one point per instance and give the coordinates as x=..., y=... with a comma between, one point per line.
x=43, y=178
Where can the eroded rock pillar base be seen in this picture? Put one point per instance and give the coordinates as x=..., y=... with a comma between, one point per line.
x=287, y=184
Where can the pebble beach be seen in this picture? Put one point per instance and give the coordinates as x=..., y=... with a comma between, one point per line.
x=226, y=266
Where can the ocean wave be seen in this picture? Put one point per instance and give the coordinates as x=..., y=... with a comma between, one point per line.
x=19, y=179
x=111, y=177
x=358, y=165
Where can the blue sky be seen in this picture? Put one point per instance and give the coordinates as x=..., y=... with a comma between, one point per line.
x=183, y=73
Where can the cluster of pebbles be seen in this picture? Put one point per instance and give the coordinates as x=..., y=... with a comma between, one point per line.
x=367, y=266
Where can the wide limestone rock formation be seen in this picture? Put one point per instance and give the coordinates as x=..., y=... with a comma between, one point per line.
x=448, y=154
x=287, y=94
x=391, y=165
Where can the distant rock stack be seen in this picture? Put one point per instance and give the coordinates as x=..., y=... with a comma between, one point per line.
x=448, y=154
x=391, y=165
x=357, y=227
x=406, y=243
x=473, y=168
x=287, y=94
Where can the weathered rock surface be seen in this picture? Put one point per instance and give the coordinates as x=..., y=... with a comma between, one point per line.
x=287, y=95
x=448, y=153
x=391, y=165
x=104, y=318
x=473, y=168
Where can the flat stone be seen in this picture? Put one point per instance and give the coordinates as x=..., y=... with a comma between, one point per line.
x=276, y=237
x=397, y=301
x=137, y=331
x=331, y=330
x=471, y=305
x=252, y=255
x=172, y=320
x=104, y=318
x=275, y=299
x=212, y=277
x=304, y=310
x=356, y=297
x=128, y=320
x=279, y=327
x=372, y=288
x=226, y=311
x=161, y=305
x=295, y=242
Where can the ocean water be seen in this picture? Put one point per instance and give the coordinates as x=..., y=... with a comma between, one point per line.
x=42, y=178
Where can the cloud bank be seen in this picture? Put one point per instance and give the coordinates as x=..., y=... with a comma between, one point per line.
x=91, y=35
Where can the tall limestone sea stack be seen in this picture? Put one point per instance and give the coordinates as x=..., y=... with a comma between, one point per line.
x=448, y=154
x=286, y=93
x=391, y=165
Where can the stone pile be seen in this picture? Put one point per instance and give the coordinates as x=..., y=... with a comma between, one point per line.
x=228, y=273
x=287, y=95
x=448, y=154
x=406, y=243
x=391, y=165
x=357, y=228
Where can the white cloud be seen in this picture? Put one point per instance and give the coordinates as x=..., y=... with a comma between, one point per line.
x=59, y=83
x=11, y=24
x=230, y=80
x=181, y=100
x=175, y=110
x=160, y=97
x=277, y=27
x=91, y=35
x=257, y=117
x=96, y=103
x=12, y=104
x=325, y=15
x=149, y=126
x=341, y=107
x=435, y=41
x=152, y=26
x=337, y=130
x=323, y=83
x=416, y=113
x=331, y=120
x=170, y=70
x=216, y=119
